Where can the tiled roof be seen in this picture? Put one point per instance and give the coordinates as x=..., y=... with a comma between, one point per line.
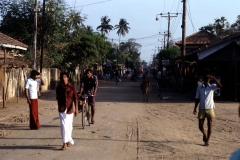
x=4, y=39
x=201, y=37
x=229, y=38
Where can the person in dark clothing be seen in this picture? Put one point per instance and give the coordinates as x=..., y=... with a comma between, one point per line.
x=117, y=76
x=89, y=85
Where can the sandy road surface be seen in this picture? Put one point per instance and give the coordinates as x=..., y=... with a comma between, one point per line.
x=125, y=128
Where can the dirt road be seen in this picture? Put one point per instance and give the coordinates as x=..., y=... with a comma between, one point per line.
x=125, y=128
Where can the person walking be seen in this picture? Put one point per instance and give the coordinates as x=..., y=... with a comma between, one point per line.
x=31, y=94
x=89, y=86
x=66, y=95
x=117, y=76
x=204, y=96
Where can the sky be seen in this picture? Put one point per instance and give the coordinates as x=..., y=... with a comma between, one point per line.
x=141, y=16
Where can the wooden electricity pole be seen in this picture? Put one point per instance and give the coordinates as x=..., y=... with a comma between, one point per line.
x=42, y=36
x=183, y=45
x=35, y=36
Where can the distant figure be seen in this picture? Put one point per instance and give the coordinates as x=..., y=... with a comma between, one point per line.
x=31, y=94
x=146, y=88
x=159, y=74
x=66, y=95
x=204, y=96
x=117, y=76
x=124, y=72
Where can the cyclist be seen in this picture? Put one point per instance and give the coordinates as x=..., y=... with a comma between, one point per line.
x=89, y=85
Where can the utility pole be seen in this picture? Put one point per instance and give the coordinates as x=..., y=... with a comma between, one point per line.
x=169, y=18
x=183, y=44
x=42, y=44
x=35, y=35
x=42, y=36
x=164, y=35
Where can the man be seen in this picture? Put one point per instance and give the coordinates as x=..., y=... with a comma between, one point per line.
x=204, y=96
x=89, y=85
x=117, y=76
x=31, y=94
x=66, y=96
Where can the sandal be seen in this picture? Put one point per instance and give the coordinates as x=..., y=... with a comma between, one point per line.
x=68, y=144
x=64, y=147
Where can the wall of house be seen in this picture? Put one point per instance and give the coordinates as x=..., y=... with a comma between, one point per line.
x=15, y=80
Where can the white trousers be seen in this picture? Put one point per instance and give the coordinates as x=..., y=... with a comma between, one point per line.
x=66, y=123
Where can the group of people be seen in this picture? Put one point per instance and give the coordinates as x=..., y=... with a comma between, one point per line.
x=67, y=97
x=68, y=100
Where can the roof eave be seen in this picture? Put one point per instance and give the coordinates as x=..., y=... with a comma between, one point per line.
x=13, y=46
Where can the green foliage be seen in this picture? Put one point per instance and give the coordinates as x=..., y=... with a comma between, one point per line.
x=68, y=42
x=236, y=26
x=169, y=54
x=130, y=51
x=221, y=27
x=17, y=19
x=89, y=49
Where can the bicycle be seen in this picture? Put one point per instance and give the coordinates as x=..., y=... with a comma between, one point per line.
x=86, y=110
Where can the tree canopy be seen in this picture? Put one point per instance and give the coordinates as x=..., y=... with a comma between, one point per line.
x=105, y=27
x=221, y=27
x=122, y=28
x=68, y=41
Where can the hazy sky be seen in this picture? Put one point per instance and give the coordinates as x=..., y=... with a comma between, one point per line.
x=141, y=16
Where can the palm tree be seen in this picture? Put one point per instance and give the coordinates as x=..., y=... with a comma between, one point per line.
x=75, y=20
x=105, y=27
x=89, y=29
x=122, y=28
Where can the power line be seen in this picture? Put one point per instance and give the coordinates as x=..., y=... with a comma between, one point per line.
x=149, y=37
x=177, y=24
x=190, y=17
x=150, y=44
x=90, y=4
x=175, y=20
x=173, y=5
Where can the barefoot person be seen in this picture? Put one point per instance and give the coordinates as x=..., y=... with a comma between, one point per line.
x=204, y=96
x=66, y=96
x=31, y=94
x=89, y=85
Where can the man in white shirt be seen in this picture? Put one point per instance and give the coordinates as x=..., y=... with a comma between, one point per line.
x=204, y=96
x=31, y=94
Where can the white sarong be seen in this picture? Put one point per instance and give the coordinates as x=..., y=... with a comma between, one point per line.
x=66, y=123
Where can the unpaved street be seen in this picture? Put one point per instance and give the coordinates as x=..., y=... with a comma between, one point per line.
x=125, y=128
